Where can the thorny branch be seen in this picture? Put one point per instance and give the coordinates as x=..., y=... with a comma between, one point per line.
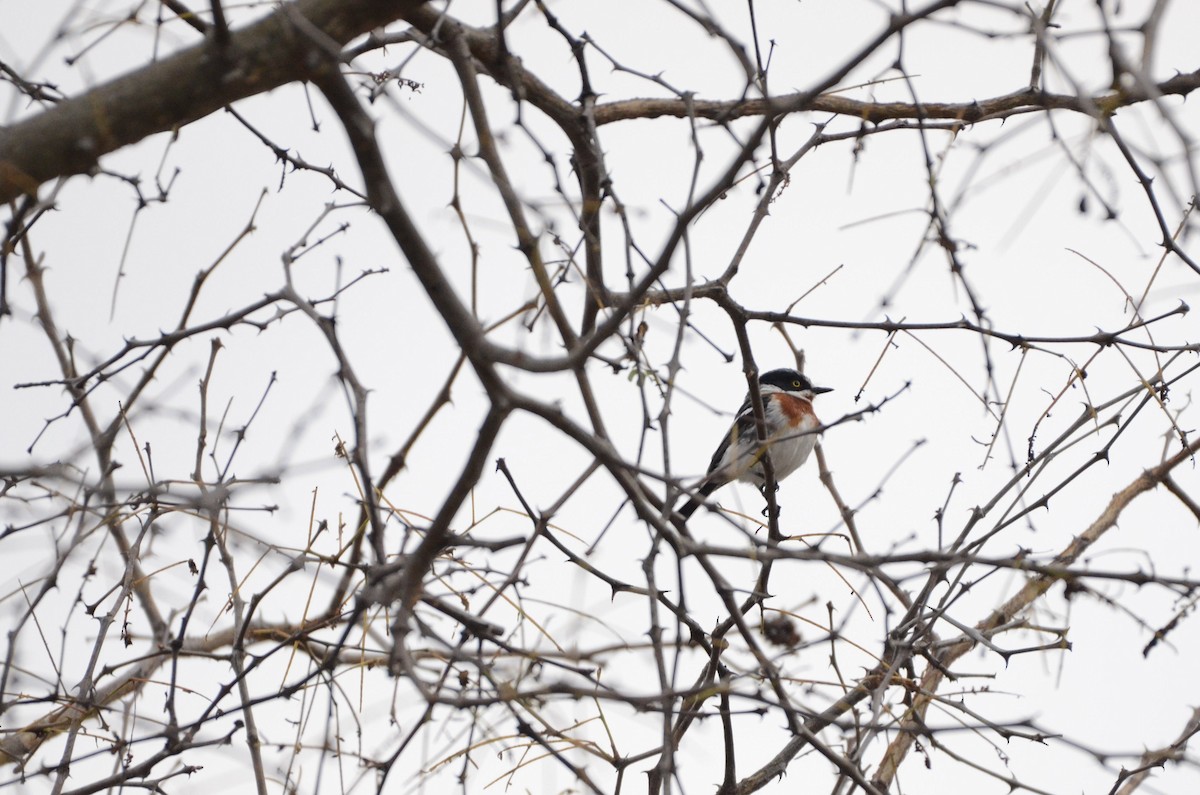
x=392, y=612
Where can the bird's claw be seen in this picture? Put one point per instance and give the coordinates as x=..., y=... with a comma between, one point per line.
x=767, y=510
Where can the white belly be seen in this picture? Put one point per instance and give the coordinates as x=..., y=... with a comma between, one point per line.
x=788, y=453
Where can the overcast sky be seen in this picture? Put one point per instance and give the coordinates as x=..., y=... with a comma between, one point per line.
x=847, y=239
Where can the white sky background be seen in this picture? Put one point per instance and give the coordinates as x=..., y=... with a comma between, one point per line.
x=862, y=216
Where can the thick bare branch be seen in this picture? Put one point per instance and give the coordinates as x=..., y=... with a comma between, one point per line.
x=71, y=137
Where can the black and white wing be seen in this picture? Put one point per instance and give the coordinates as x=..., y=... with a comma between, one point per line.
x=741, y=430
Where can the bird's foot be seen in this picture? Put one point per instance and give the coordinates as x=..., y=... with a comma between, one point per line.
x=767, y=510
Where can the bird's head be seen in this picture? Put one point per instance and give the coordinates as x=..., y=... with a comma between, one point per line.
x=792, y=381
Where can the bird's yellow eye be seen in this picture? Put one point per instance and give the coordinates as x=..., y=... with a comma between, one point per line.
x=796, y=384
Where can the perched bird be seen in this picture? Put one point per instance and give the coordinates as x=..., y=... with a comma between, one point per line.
x=787, y=398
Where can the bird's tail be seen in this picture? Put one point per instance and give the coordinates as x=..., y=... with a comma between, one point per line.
x=695, y=502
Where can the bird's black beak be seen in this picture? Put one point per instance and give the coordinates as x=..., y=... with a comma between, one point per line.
x=820, y=390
